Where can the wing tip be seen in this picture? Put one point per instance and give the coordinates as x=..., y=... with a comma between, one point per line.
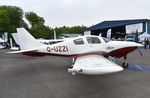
x=13, y=52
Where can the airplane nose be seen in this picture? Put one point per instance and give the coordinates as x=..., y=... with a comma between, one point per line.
x=117, y=69
x=113, y=69
x=136, y=44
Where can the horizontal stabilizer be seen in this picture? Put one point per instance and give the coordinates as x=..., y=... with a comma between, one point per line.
x=21, y=51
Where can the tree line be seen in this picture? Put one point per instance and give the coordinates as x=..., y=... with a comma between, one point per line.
x=12, y=17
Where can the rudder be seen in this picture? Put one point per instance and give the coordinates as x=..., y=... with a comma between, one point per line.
x=26, y=40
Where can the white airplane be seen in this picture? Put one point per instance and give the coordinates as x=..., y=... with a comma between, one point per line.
x=1, y=43
x=90, y=52
x=49, y=42
x=11, y=45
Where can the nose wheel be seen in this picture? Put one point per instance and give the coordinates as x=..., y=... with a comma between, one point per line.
x=125, y=64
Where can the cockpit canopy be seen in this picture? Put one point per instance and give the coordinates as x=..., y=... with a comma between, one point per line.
x=106, y=40
x=93, y=40
x=79, y=41
x=90, y=40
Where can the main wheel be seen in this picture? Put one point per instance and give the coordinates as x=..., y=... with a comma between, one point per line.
x=125, y=65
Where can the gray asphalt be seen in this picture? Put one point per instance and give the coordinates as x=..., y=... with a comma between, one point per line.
x=47, y=77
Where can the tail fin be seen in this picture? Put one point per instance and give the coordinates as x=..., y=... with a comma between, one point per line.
x=15, y=37
x=26, y=40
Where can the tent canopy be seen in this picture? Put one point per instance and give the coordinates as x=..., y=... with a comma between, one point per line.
x=144, y=35
x=1, y=40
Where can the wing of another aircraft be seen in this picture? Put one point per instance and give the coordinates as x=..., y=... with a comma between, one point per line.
x=94, y=65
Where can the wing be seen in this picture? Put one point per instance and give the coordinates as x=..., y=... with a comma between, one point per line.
x=94, y=65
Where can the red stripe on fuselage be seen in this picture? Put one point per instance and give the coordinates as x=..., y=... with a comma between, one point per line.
x=80, y=55
x=116, y=53
x=33, y=54
x=121, y=52
x=43, y=54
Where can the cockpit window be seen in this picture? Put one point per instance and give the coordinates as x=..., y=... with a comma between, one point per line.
x=93, y=40
x=106, y=40
x=79, y=41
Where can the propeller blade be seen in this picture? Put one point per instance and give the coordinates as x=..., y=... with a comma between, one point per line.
x=140, y=52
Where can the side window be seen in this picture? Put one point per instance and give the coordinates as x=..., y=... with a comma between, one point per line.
x=93, y=40
x=79, y=41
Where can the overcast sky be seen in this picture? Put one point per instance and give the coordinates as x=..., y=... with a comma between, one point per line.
x=83, y=12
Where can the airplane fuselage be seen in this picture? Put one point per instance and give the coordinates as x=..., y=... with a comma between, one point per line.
x=86, y=45
x=90, y=51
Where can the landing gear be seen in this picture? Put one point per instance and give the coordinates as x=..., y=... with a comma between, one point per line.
x=73, y=61
x=111, y=59
x=125, y=64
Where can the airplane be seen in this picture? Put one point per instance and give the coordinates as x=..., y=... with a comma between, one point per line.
x=12, y=47
x=43, y=41
x=49, y=42
x=1, y=43
x=89, y=52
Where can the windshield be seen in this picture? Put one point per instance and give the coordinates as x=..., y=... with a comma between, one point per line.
x=106, y=40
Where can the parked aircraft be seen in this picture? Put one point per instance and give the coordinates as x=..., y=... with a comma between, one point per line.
x=12, y=47
x=1, y=43
x=89, y=51
x=49, y=42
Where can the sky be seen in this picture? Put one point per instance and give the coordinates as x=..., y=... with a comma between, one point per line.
x=59, y=13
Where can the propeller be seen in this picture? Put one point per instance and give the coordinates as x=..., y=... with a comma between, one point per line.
x=140, y=52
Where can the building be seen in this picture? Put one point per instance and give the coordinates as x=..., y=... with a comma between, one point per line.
x=120, y=28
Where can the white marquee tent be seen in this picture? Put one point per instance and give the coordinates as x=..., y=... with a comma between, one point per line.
x=143, y=36
x=1, y=40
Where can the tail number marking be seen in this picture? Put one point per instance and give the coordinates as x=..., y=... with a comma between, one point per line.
x=57, y=49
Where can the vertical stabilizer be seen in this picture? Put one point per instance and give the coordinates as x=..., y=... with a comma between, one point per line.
x=26, y=40
x=15, y=37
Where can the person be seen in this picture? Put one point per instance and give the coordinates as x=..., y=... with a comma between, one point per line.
x=7, y=45
x=146, y=45
x=149, y=44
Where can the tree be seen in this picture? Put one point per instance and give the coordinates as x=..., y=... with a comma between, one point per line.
x=69, y=30
x=11, y=17
x=33, y=18
x=38, y=29
x=41, y=31
x=4, y=20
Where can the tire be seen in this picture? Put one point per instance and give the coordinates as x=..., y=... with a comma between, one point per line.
x=125, y=65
